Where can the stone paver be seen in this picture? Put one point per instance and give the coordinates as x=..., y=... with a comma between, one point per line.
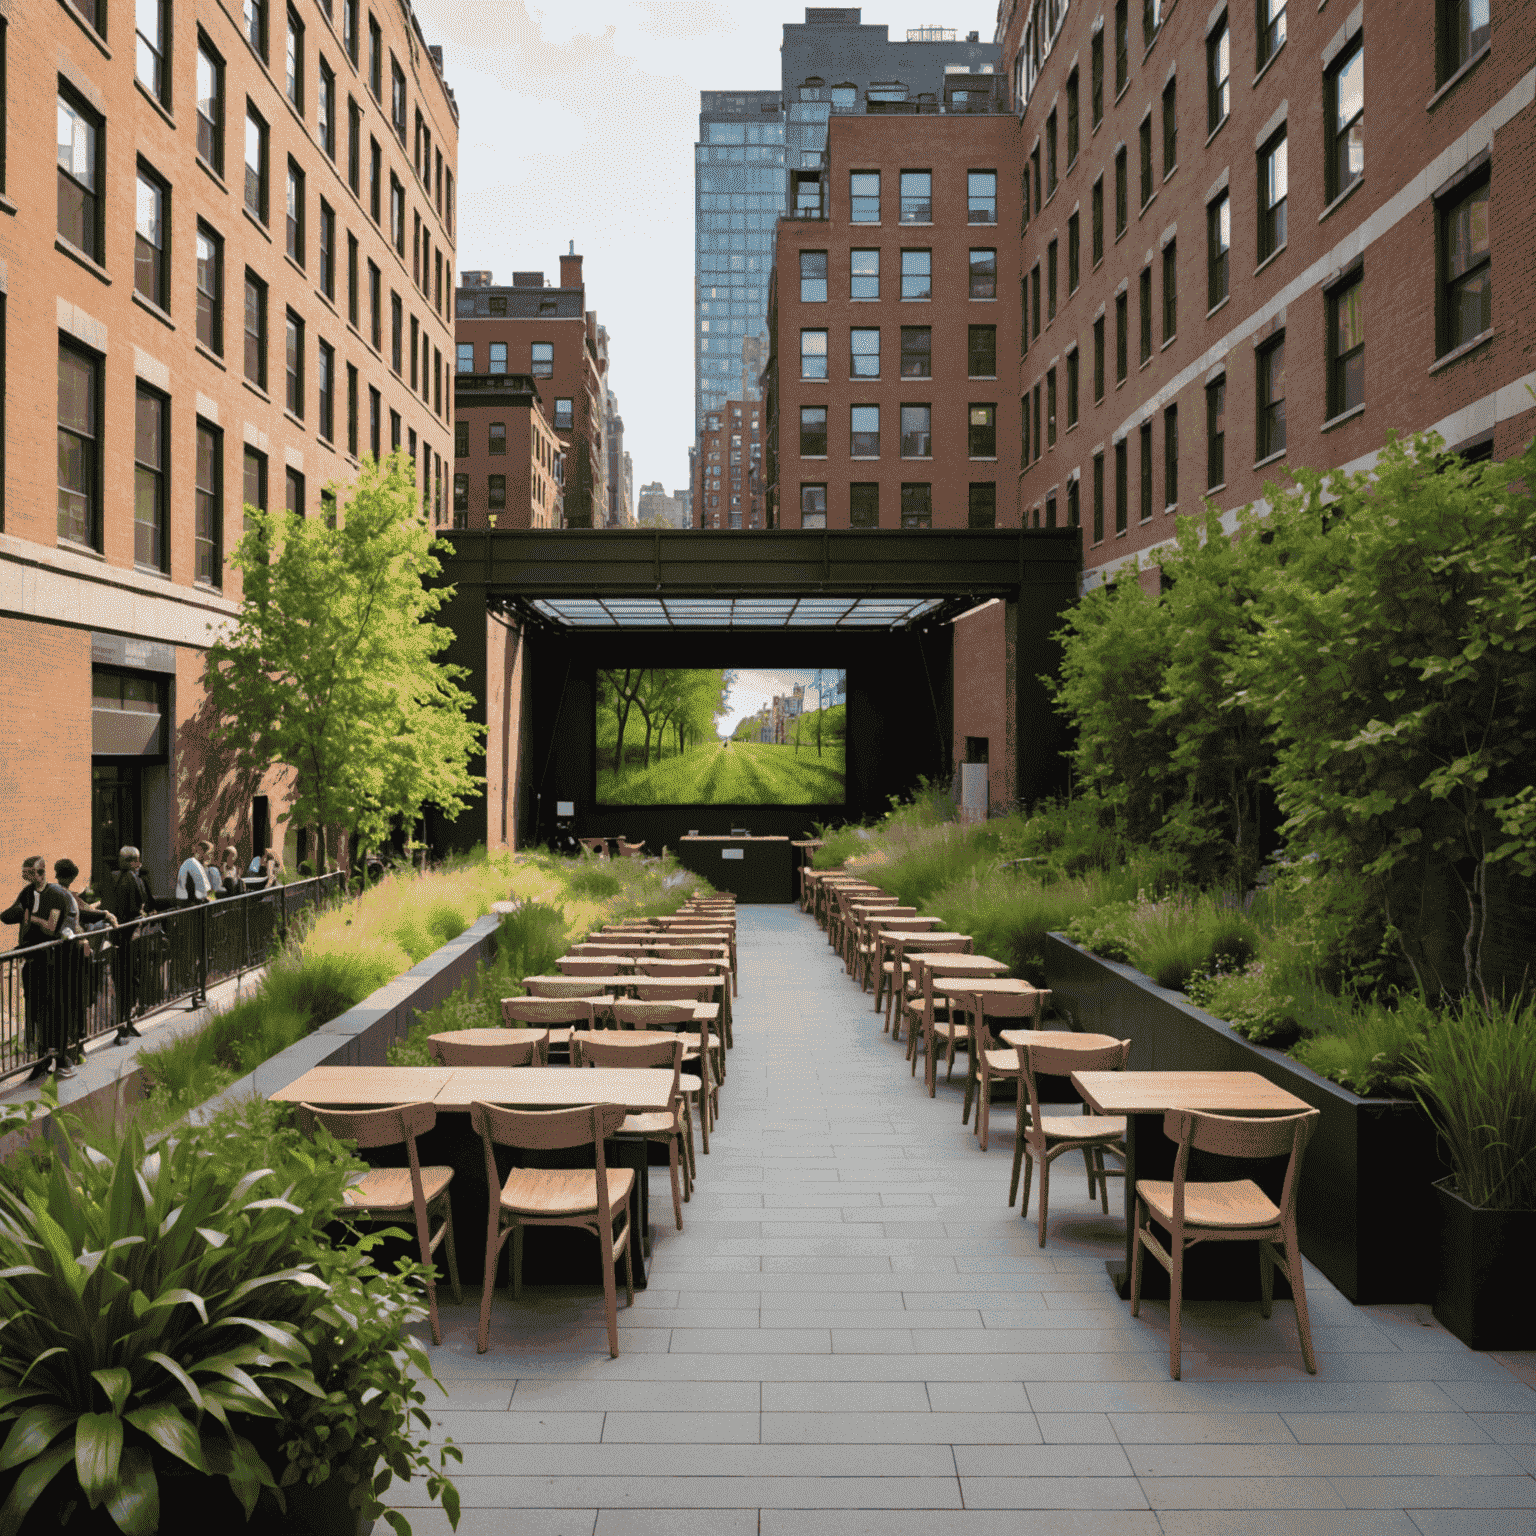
x=855, y=1336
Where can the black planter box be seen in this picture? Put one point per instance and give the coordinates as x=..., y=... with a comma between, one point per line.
x=1484, y=1295
x=1366, y=1210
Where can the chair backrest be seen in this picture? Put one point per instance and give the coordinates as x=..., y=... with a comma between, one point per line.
x=651, y=1015
x=1240, y=1136
x=901, y=923
x=579, y=1011
x=685, y=952
x=527, y=1052
x=630, y=850
x=545, y=1130
x=679, y=967
x=998, y=1005
x=590, y=965
x=918, y=944
x=1097, y=1053
x=386, y=1127
x=609, y=947
x=608, y=1049
x=558, y=986
x=675, y=991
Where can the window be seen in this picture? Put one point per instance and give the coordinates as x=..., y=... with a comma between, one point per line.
x=1271, y=414
x=864, y=274
x=1074, y=509
x=352, y=410
x=354, y=147
x=1151, y=21
x=460, y=498
x=1050, y=156
x=375, y=59
x=916, y=506
x=864, y=197
x=293, y=364
x=295, y=213
x=813, y=506
x=396, y=214
x=1218, y=76
x=1096, y=79
x=375, y=421
x=981, y=508
x=210, y=105
x=80, y=172
x=349, y=27
x=1050, y=280
x=294, y=83
x=150, y=279
x=151, y=544
x=1122, y=191
x=327, y=250
x=1074, y=253
x=397, y=112
x=461, y=439
x=79, y=446
x=542, y=359
x=1073, y=127
x=1218, y=247
x=1073, y=367
x=1122, y=487
x=1216, y=433
x=1144, y=294
x=375, y=307
x=325, y=390
x=375, y=178
x=983, y=275
x=1144, y=138
x=498, y=362
x=813, y=277
x=1034, y=161
x=1098, y=220
x=1468, y=278
x=1346, y=121
x=864, y=431
x=916, y=197
x=1271, y=29
x=917, y=274
x=813, y=431
x=1273, y=187
x=1098, y=359
x=1098, y=498
x=208, y=521
x=1122, y=335
x=1170, y=128
x=1145, y=465
x=1034, y=301
x=1170, y=457
x=917, y=431
x=1039, y=439
x=256, y=26
x=1463, y=34
x=255, y=361
x=210, y=290
x=496, y=492
x=396, y=334
x=1170, y=291
x=1050, y=408
x=916, y=352
x=981, y=197
x=813, y=354
x=981, y=352
x=294, y=485
x=255, y=163
x=325, y=109
x=496, y=441
x=1346, y=346
x=1122, y=47
x=153, y=30
x=1024, y=428
x=863, y=353
x=981, y=434
x=465, y=362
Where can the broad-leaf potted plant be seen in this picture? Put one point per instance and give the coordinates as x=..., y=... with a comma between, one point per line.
x=1475, y=1075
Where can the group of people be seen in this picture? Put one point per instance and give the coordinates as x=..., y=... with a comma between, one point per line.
x=58, y=985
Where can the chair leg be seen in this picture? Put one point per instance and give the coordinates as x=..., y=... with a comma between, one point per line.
x=1175, y=1304
x=610, y=1289
x=1299, y=1291
x=1266, y=1278
x=1045, y=1192
x=970, y=1090
x=984, y=1130
x=1098, y=1157
x=1029, y=1176
x=517, y=1262
x=453, y=1257
x=629, y=1272
x=677, y=1189
x=1018, y=1160
x=1136, y=1251
x=492, y=1254
x=1093, y=1173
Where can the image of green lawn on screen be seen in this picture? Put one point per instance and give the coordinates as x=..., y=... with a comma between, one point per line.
x=748, y=736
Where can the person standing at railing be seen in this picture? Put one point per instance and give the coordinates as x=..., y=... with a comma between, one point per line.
x=229, y=871
x=74, y=966
x=192, y=877
x=42, y=910
x=128, y=897
x=263, y=870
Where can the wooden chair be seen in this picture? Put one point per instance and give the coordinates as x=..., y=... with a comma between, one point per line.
x=1230, y=1211
x=1043, y=1138
x=845, y=923
x=888, y=934
x=566, y=986
x=630, y=850
x=532, y=1050
x=592, y=965
x=640, y=1050
x=865, y=942
x=592, y=1199
x=597, y=845
x=993, y=1062
x=387, y=1194
x=575, y=1012
x=701, y=1047
x=609, y=946
x=911, y=1003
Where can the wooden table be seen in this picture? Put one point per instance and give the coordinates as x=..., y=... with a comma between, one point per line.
x=1212, y=1270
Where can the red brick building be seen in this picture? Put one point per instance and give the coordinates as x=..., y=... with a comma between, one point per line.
x=893, y=321
x=549, y=334
x=729, y=482
x=508, y=463
x=1261, y=236
x=246, y=235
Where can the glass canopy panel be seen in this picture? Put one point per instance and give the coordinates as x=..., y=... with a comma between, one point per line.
x=728, y=612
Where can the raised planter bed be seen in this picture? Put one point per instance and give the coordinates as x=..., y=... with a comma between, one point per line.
x=1369, y=1168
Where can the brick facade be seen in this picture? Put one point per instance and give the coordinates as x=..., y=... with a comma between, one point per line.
x=508, y=463
x=729, y=482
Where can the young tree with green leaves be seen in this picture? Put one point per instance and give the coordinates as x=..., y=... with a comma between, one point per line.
x=332, y=667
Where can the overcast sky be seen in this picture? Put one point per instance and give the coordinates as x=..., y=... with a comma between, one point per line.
x=577, y=122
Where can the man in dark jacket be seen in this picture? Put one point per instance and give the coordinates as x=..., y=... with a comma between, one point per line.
x=128, y=896
x=42, y=909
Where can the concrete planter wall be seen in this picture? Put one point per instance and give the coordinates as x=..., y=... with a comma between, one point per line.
x=1366, y=1203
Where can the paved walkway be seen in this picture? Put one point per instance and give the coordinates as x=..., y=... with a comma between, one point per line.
x=856, y=1337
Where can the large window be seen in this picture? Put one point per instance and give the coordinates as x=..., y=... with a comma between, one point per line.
x=210, y=290
x=349, y=27
x=498, y=358
x=813, y=431
x=1170, y=128
x=1074, y=131
x=80, y=170
x=1096, y=79
x=1271, y=31
x=496, y=439
x=496, y=492
x=208, y=523
x=1074, y=253
x=813, y=505
x=981, y=352
x=1346, y=120
x=916, y=506
x=1145, y=465
x=375, y=307
x=255, y=360
x=1144, y=294
x=916, y=197
x=293, y=83
x=1216, y=433
x=325, y=390
x=813, y=354
x=917, y=274
x=1122, y=335
x=983, y=274
x=542, y=360
x=981, y=430
x=397, y=334
x=210, y=105
x=1098, y=359
x=325, y=109
x=397, y=111
x=327, y=250
x=864, y=197
x=1098, y=221
x=151, y=280
x=864, y=353
x=1122, y=191
x=1467, y=275
x=1271, y=403
x=1122, y=47
x=1098, y=498
x=1144, y=144
x=1050, y=156
x=397, y=214
x=1073, y=368
x=864, y=274
x=1170, y=291
x=461, y=439
x=1218, y=250
x=256, y=25
x=1170, y=457
x=864, y=504
x=1274, y=185
x=1050, y=407
x=1463, y=33
x=981, y=197
x=1218, y=76
x=813, y=277
x=256, y=161
x=1122, y=487
x=864, y=431
x=917, y=431
x=79, y=446
x=1346, y=346
x=293, y=364
x=916, y=352
x=152, y=25
x=295, y=214
x=375, y=59
x=1051, y=263
x=151, y=544
x=981, y=506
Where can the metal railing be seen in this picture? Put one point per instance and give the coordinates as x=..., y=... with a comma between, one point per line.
x=56, y=996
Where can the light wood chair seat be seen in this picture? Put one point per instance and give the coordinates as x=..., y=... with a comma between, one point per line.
x=1232, y=1206
x=383, y=1190
x=659, y=1123
x=1083, y=1127
x=561, y=1191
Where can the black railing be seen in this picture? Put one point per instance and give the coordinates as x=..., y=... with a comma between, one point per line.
x=56, y=996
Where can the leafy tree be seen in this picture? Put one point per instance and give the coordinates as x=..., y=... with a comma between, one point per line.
x=332, y=665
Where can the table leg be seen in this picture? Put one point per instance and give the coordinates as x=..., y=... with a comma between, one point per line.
x=1120, y=1269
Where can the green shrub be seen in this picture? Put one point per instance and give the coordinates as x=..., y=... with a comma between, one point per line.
x=1106, y=931
x=1249, y=1001
x=594, y=881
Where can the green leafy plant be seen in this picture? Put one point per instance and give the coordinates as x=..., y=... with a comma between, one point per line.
x=1249, y=1001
